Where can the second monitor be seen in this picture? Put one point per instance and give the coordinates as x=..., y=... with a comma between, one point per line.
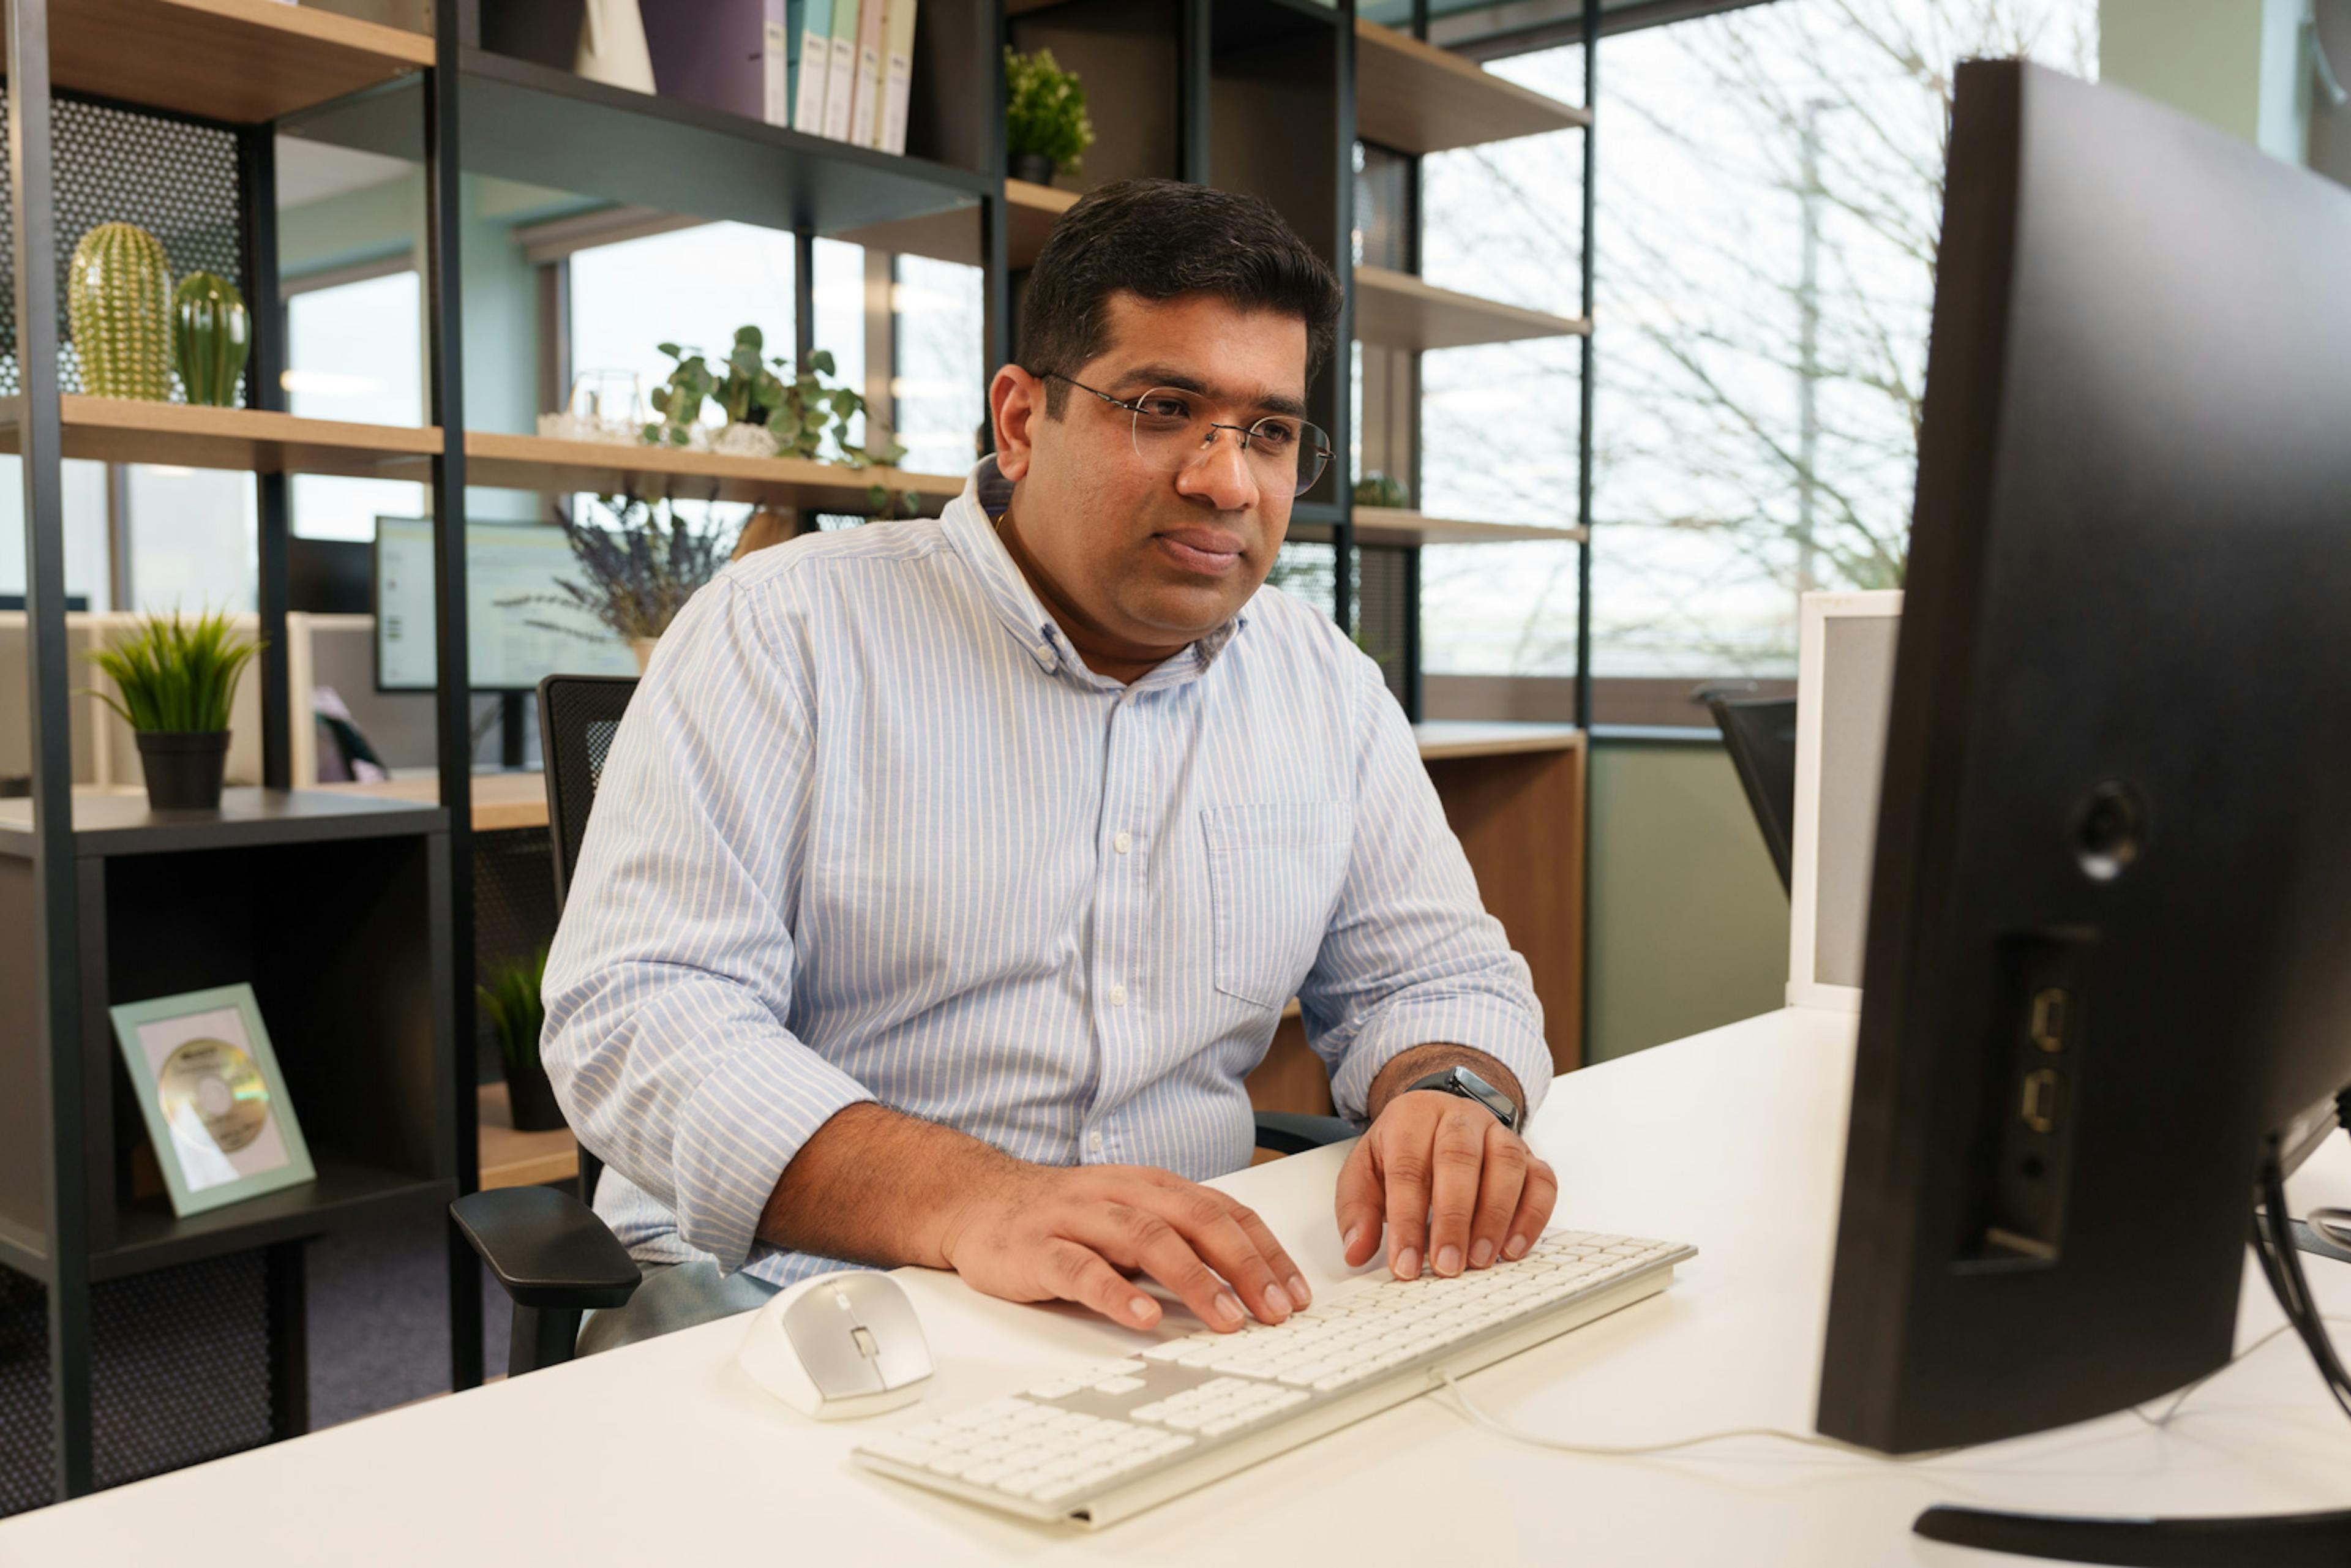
x=518, y=629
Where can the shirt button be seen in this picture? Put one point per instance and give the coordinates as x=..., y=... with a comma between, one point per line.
x=1118, y=995
x=1123, y=842
x=1094, y=1142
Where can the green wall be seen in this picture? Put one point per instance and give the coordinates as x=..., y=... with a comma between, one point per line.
x=2236, y=64
x=1689, y=927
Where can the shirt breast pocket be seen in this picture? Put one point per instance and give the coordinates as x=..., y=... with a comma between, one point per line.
x=1274, y=875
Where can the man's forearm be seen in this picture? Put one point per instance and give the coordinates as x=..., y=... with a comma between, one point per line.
x=875, y=1186
x=1423, y=1059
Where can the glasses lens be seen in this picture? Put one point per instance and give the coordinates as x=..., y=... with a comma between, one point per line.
x=1174, y=429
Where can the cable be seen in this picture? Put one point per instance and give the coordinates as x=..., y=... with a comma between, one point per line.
x=1479, y=1416
x=2282, y=1266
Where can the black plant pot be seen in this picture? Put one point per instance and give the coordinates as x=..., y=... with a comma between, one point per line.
x=1033, y=167
x=532, y=1100
x=184, y=767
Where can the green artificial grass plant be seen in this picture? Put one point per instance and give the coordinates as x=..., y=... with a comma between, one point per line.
x=516, y=1013
x=176, y=677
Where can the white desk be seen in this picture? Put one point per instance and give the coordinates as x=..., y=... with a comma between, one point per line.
x=1731, y=1140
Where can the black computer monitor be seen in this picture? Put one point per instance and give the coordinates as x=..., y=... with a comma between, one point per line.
x=2108, y=976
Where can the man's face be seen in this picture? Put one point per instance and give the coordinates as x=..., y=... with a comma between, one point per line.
x=1143, y=561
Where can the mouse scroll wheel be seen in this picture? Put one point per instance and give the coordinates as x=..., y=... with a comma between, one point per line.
x=864, y=1338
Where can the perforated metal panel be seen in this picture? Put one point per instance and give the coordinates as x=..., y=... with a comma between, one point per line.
x=177, y=180
x=180, y=1374
x=1384, y=611
x=1309, y=570
x=25, y=1467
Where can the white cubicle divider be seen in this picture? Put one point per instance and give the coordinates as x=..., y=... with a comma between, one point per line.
x=1844, y=683
x=336, y=651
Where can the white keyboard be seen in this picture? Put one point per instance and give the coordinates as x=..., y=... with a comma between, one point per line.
x=1110, y=1440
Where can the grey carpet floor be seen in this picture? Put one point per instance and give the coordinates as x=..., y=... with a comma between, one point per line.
x=378, y=1300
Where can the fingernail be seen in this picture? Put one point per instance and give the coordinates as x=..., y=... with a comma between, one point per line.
x=1408, y=1264
x=1448, y=1260
x=1142, y=1309
x=1277, y=1301
x=1347, y=1242
x=1229, y=1307
x=1481, y=1254
x=1297, y=1290
x=1516, y=1246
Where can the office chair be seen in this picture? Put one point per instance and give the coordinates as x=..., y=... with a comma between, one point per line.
x=1759, y=733
x=546, y=1247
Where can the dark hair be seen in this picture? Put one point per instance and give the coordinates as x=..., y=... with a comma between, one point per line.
x=1162, y=239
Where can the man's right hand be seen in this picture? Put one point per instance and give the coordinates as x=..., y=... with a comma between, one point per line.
x=1035, y=1233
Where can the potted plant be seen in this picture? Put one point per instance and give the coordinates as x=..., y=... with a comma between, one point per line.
x=642, y=566
x=517, y=1016
x=767, y=417
x=1046, y=129
x=175, y=682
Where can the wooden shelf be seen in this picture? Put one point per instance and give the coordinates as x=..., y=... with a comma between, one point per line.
x=1397, y=525
x=554, y=467
x=256, y=441
x=519, y=1159
x=1447, y=738
x=241, y=60
x=1029, y=212
x=1416, y=98
x=1397, y=310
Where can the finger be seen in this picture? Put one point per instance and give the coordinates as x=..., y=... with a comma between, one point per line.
x=1204, y=1219
x=1276, y=1256
x=1135, y=1238
x=1361, y=1203
x=1536, y=1201
x=1079, y=1274
x=1457, y=1157
x=1498, y=1187
x=1404, y=1164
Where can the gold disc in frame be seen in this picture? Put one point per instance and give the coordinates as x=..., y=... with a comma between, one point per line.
x=210, y=1084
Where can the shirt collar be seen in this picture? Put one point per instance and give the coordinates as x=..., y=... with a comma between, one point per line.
x=970, y=521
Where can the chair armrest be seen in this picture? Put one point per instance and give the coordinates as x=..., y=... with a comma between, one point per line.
x=1294, y=1133
x=546, y=1248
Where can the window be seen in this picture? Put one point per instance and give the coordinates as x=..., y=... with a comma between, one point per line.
x=355, y=351
x=1769, y=207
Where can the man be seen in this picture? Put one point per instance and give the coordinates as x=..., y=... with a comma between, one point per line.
x=946, y=878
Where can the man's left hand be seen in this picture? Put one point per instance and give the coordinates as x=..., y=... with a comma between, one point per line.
x=1449, y=1182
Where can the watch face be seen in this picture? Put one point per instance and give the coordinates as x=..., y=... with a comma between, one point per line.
x=1470, y=1085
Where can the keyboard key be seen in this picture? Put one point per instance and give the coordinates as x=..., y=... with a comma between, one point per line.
x=1126, y=1368
x=1168, y=1350
x=990, y=1472
x=1059, y=1389
x=1119, y=1385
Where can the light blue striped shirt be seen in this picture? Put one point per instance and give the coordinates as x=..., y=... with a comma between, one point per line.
x=872, y=831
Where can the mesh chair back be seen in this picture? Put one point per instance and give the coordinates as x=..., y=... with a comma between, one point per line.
x=578, y=717
x=1761, y=735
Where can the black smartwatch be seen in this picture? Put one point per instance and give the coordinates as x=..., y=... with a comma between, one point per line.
x=1469, y=1086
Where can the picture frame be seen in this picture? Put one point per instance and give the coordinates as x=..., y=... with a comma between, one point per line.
x=211, y=1094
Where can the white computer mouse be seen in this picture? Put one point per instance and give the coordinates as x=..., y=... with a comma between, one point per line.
x=840, y=1345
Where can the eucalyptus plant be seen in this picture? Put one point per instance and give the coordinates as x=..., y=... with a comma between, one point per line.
x=798, y=414
x=176, y=677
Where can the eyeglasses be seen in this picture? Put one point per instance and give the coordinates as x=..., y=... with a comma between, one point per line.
x=1172, y=429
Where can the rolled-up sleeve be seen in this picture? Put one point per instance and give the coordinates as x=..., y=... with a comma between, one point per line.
x=670, y=982
x=1411, y=956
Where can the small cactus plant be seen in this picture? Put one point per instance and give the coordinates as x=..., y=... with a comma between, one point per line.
x=211, y=335
x=119, y=304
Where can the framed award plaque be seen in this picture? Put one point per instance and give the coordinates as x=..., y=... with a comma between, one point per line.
x=211, y=1096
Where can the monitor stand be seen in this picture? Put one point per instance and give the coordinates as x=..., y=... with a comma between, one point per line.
x=2252, y=1540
